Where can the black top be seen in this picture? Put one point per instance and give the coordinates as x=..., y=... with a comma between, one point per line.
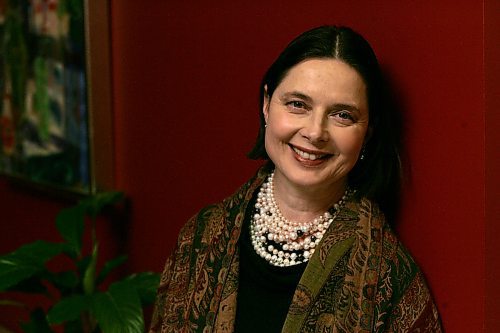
x=265, y=291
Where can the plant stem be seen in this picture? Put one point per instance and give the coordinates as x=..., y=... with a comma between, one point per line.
x=89, y=277
x=88, y=323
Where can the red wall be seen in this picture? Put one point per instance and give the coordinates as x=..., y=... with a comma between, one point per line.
x=492, y=157
x=186, y=111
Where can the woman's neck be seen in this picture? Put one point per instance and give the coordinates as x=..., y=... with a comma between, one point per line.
x=303, y=204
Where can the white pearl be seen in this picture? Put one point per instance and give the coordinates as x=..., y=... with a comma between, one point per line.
x=268, y=221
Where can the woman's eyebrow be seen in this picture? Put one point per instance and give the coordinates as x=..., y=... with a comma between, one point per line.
x=308, y=99
x=343, y=106
x=297, y=94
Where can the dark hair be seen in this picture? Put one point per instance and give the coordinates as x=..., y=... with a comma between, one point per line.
x=378, y=175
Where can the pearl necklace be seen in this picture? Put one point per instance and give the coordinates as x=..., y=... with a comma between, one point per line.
x=282, y=242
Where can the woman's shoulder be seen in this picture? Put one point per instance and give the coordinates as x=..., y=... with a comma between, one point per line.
x=395, y=252
x=395, y=260
x=211, y=220
x=405, y=290
x=400, y=268
x=392, y=249
x=231, y=208
x=194, y=229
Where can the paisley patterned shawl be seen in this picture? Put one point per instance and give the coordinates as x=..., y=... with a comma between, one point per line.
x=360, y=278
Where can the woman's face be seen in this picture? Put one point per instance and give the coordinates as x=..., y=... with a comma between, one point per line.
x=317, y=122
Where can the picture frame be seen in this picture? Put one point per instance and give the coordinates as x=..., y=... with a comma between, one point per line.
x=56, y=128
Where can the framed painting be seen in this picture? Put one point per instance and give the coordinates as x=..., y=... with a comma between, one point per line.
x=55, y=111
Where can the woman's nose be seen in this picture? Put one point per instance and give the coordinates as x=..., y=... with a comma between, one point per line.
x=315, y=129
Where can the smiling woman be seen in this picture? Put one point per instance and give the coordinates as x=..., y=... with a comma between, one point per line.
x=317, y=122
x=305, y=245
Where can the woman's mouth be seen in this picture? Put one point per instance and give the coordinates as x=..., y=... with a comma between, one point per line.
x=309, y=156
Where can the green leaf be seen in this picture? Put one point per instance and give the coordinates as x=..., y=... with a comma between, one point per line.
x=119, y=309
x=146, y=285
x=12, y=273
x=38, y=252
x=109, y=266
x=37, y=324
x=71, y=222
x=69, y=309
x=26, y=261
x=32, y=285
x=74, y=326
x=94, y=204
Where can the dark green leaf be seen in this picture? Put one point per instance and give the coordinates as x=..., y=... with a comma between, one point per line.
x=70, y=223
x=96, y=203
x=69, y=309
x=31, y=285
x=26, y=261
x=109, y=266
x=146, y=285
x=38, y=252
x=119, y=309
x=74, y=326
x=37, y=324
x=12, y=273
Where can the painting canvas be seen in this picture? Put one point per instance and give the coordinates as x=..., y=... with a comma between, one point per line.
x=44, y=117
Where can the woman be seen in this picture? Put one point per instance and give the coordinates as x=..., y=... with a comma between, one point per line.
x=304, y=246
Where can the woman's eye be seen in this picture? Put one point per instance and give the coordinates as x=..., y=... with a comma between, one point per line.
x=296, y=105
x=344, y=116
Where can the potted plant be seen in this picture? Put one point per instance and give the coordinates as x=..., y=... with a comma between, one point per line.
x=81, y=304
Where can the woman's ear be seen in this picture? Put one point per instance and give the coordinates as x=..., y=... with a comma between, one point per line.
x=265, y=104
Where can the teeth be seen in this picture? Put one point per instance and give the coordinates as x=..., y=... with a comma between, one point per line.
x=307, y=156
